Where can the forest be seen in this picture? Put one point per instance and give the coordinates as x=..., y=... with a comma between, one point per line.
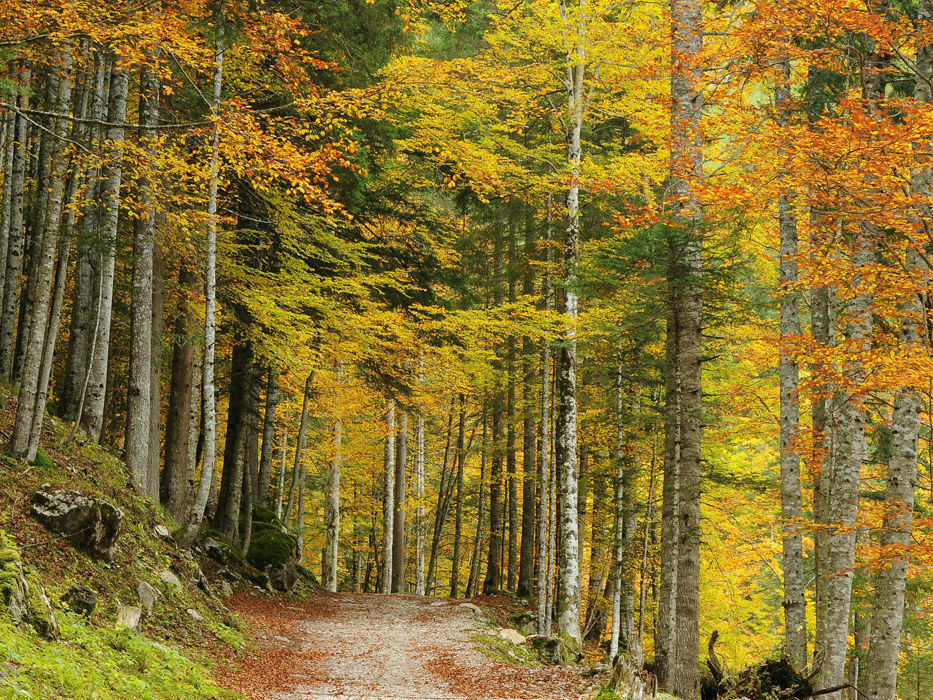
x=618, y=307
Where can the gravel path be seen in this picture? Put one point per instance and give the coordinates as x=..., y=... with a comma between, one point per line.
x=378, y=647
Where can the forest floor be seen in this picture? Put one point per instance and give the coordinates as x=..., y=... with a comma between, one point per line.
x=379, y=647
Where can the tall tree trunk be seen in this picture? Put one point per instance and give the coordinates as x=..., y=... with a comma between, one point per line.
x=544, y=457
x=209, y=412
x=493, y=581
x=235, y=461
x=268, y=436
x=280, y=479
x=472, y=580
x=443, y=502
x=92, y=418
x=458, y=504
x=510, y=456
x=155, y=368
x=30, y=405
x=332, y=513
x=139, y=398
x=175, y=473
x=686, y=166
x=401, y=483
x=891, y=581
x=795, y=602
x=388, y=513
x=617, y=638
x=526, y=558
x=419, y=491
x=568, y=603
x=299, y=447
x=15, y=250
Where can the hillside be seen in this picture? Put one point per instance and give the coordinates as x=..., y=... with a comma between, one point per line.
x=172, y=652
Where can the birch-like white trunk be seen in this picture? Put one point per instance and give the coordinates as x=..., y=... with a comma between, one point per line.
x=419, y=491
x=208, y=399
x=332, y=513
x=544, y=456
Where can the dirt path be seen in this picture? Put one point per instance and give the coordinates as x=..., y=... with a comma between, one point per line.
x=378, y=647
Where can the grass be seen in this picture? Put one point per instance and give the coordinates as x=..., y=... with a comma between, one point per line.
x=88, y=662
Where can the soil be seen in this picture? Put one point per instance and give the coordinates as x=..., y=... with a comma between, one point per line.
x=381, y=647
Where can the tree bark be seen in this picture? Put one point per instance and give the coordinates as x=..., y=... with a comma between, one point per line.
x=30, y=406
x=92, y=418
x=388, y=513
x=209, y=413
x=419, y=491
x=299, y=447
x=686, y=166
x=458, y=503
x=398, y=523
x=139, y=399
x=268, y=436
x=331, y=513
x=544, y=457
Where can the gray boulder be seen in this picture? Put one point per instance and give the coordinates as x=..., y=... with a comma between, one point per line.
x=128, y=616
x=80, y=599
x=147, y=596
x=90, y=524
x=170, y=580
x=22, y=594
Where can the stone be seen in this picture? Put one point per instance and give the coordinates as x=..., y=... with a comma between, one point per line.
x=80, y=599
x=216, y=550
x=163, y=532
x=89, y=524
x=194, y=614
x=128, y=616
x=475, y=609
x=438, y=603
x=170, y=580
x=22, y=594
x=526, y=622
x=147, y=596
x=226, y=590
x=553, y=650
x=510, y=635
x=283, y=578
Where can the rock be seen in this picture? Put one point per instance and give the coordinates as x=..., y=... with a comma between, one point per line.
x=475, y=609
x=226, y=590
x=170, y=580
x=554, y=650
x=80, y=599
x=526, y=622
x=218, y=551
x=163, y=532
x=194, y=614
x=438, y=603
x=282, y=578
x=90, y=524
x=22, y=594
x=147, y=596
x=128, y=616
x=510, y=635
x=596, y=669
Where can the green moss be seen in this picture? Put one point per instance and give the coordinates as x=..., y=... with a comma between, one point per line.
x=43, y=462
x=270, y=547
x=106, y=664
x=261, y=514
x=502, y=650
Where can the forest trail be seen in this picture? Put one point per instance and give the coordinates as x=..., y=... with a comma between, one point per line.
x=380, y=647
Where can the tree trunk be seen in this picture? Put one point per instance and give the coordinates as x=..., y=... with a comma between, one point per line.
x=544, y=458
x=527, y=554
x=331, y=513
x=473, y=578
x=209, y=414
x=175, y=473
x=443, y=503
x=155, y=368
x=568, y=602
x=299, y=447
x=268, y=436
x=458, y=504
x=92, y=418
x=388, y=513
x=493, y=581
x=686, y=166
x=235, y=462
x=398, y=522
x=139, y=399
x=419, y=491
x=30, y=406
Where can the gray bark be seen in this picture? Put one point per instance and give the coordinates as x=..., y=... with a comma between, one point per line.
x=268, y=436
x=299, y=447
x=419, y=491
x=458, y=504
x=139, y=403
x=388, y=511
x=30, y=406
x=92, y=418
x=332, y=513
x=398, y=522
x=544, y=458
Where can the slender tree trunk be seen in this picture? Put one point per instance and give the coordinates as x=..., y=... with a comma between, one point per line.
x=527, y=554
x=419, y=491
x=92, y=419
x=280, y=480
x=458, y=504
x=139, y=398
x=299, y=447
x=493, y=581
x=300, y=530
x=544, y=457
x=30, y=406
x=332, y=513
x=401, y=483
x=268, y=436
x=15, y=251
x=472, y=580
x=155, y=368
x=443, y=502
x=209, y=412
x=617, y=638
x=568, y=603
x=795, y=602
x=388, y=512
